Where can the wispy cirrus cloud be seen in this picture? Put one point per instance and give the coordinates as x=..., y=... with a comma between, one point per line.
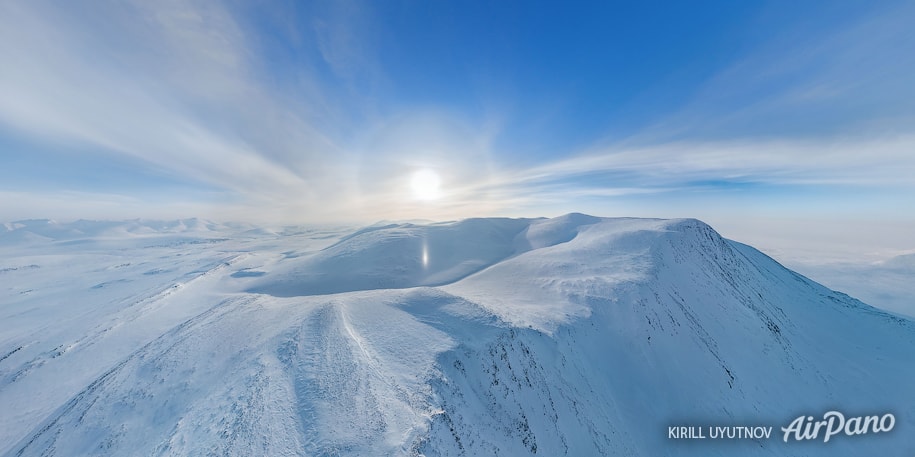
x=814, y=79
x=842, y=161
x=171, y=84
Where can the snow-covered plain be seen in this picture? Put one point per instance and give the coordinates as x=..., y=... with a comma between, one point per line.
x=887, y=284
x=568, y=336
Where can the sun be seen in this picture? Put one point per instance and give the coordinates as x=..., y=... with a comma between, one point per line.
x=425, y=184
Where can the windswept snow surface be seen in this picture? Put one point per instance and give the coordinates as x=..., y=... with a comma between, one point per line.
x=568, y=336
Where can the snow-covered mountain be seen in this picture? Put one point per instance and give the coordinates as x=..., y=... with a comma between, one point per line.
x=568, y=336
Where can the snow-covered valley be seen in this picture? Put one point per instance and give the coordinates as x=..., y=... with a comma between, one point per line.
x=568, y=336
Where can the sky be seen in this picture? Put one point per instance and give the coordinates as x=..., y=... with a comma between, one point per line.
x=787, y=125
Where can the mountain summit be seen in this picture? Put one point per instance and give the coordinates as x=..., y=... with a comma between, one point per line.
x=575, y=335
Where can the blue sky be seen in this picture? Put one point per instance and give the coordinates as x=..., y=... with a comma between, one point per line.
x=748, y=115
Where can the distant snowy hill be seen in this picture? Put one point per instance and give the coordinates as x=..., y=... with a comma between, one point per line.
x=572, y=336
x=889, y=284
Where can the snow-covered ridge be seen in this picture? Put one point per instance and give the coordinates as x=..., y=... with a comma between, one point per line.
x=574, y=335
x=397, y=256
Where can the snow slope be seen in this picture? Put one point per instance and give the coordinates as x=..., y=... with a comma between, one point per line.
x=568, y=336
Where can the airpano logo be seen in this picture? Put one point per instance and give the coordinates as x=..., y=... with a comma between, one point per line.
x=835, y=423
x=803, y=428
